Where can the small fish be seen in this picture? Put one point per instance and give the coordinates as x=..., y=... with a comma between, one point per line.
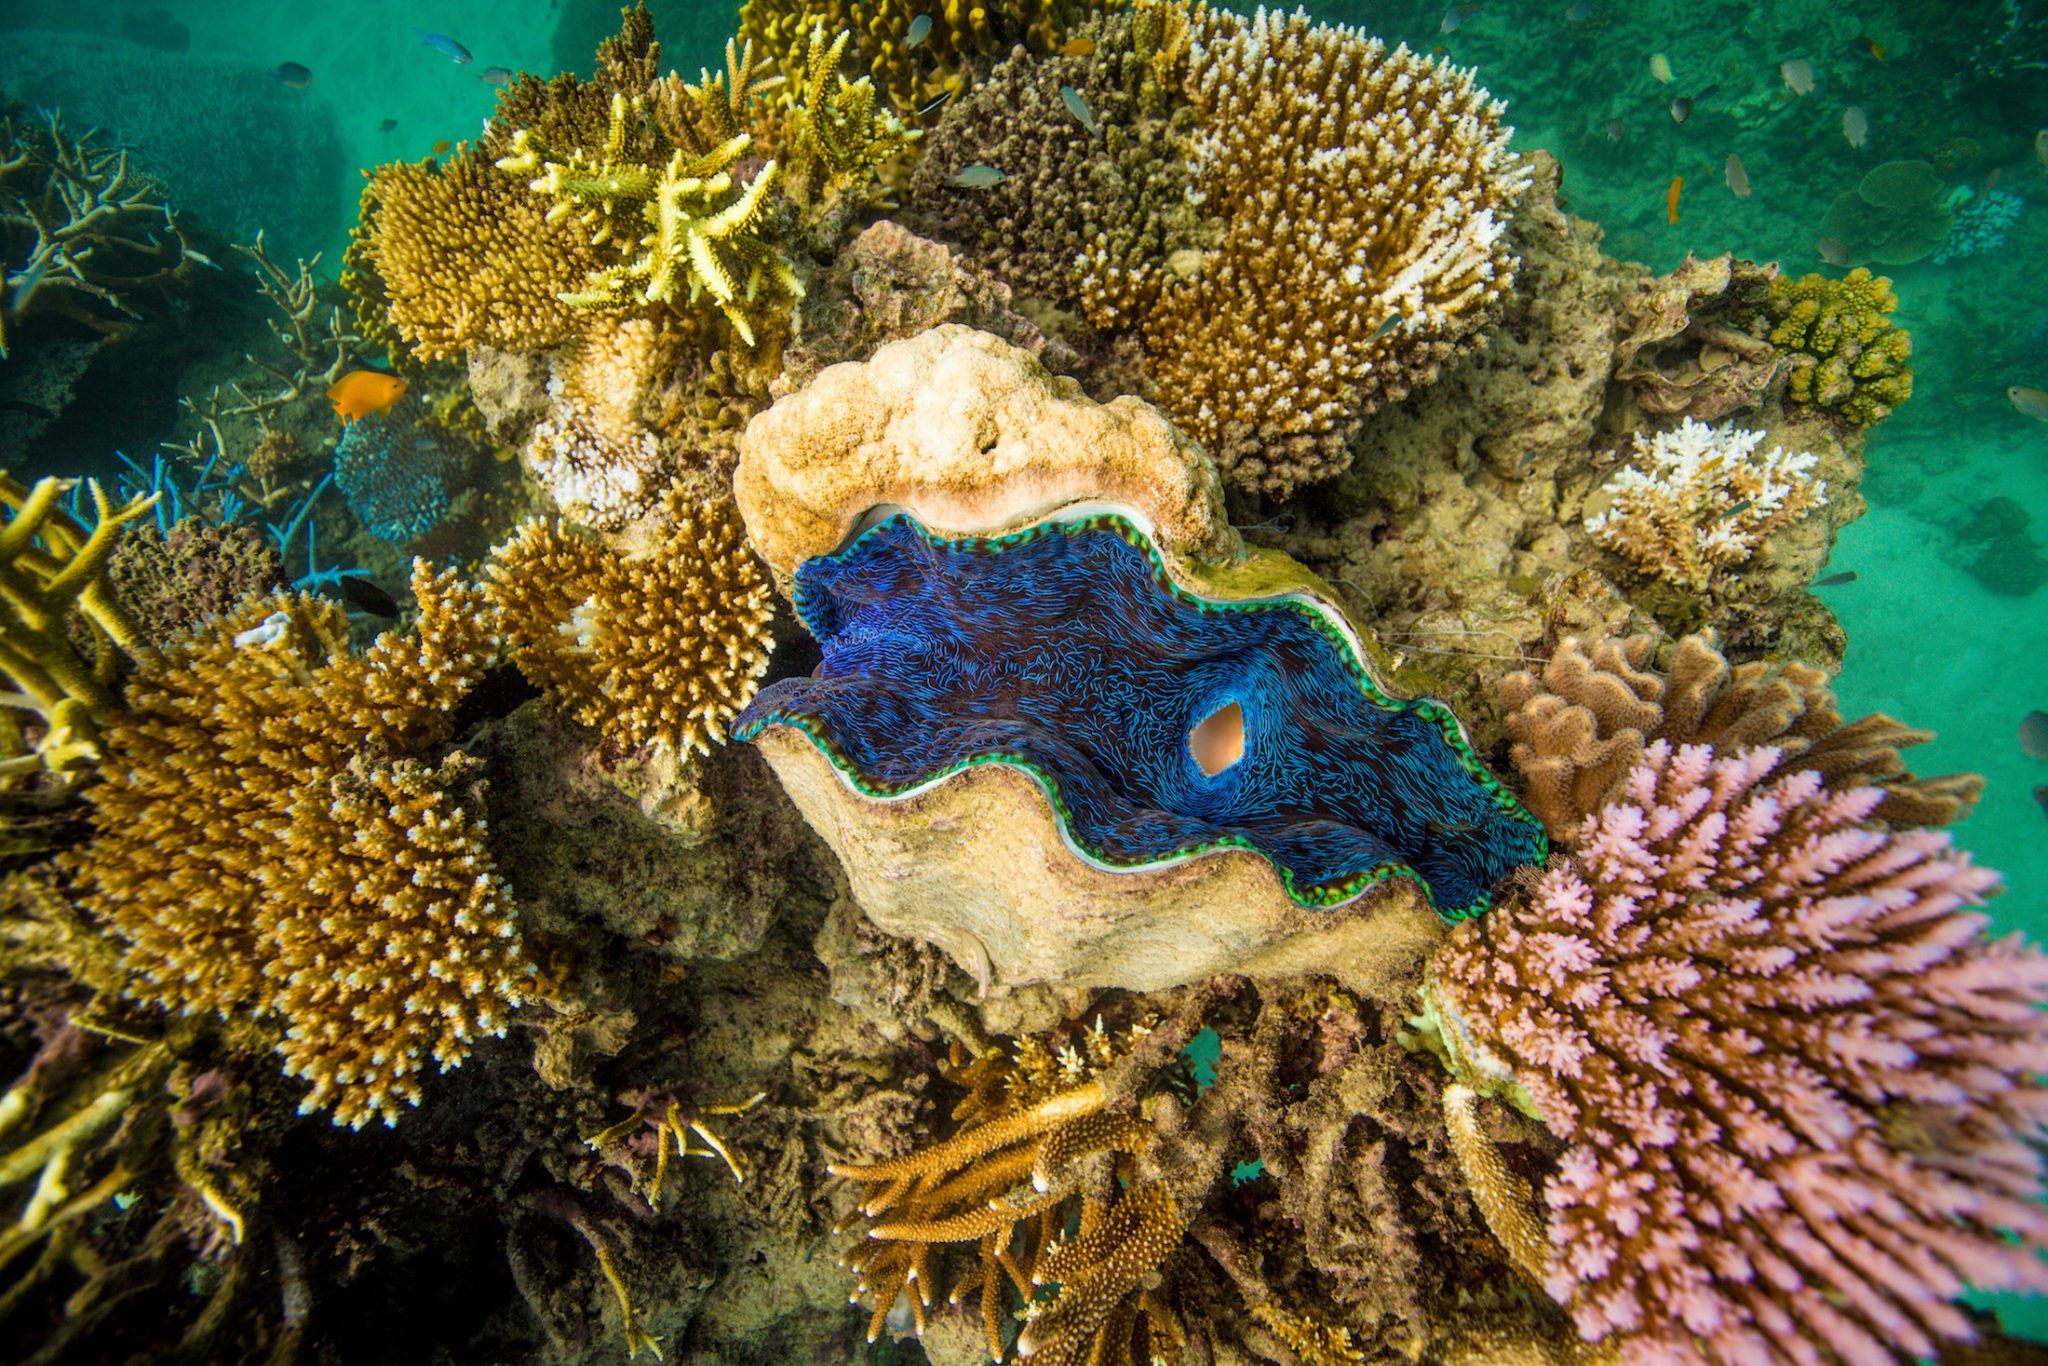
x=977, y=177
x=2032, y=402
x=1832, y=251
x=1681, y=109
x=1835, y=580
x=366, y=596
x=1660, y=67
x=441, y=147
x=2041, y=148
x=2041, y=796
x=1869, y=47
x=1798, y=74
x=360, y=393
x=2034, y=735
x=1078, y=107
x=1615, y=130
x=1738, y=178
x=1456, y=15
x=294, y=75
x=1078, y=47
x=388, y=126
x=1855, y=126
x=1579, y=13
x=1393, y=320
x=935, y=103
x=446, y=46
x=1735, y=511
x=920, y=29
x=1671, y=198
x=497, y=75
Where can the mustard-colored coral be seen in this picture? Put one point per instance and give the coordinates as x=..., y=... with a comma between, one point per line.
x=1037, y=1142
x=663, y=649
x=837, y=131
x=1362, y=197
x=1846, y=354
x=278, y=838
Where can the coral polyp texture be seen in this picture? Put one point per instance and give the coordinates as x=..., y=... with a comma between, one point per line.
x=1362, y=196
x=396, y=472
x=1798, y=1085
x=1700, y=501
x=1067, y=650
x=1846, y=355
x=664, y=648
x=277, y=839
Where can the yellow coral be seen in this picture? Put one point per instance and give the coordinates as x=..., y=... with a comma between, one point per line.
x=1846, y=354
x=277, y=838
x=664, y=649
x=1362, y=197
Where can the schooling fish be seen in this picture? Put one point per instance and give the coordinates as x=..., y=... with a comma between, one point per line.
x=977, y=177
x=1078, y=107
x=1456, y=15
x=1738, y=178
x=920, y=29
x=441, y=147
x=446, y=46
x=1855, y=126
x=1798, y=74
x=1681, y=109
x=2034, y=735
x=1078, y=47
x=1660, y=67
x=1671, y=198
x=2032, y=402
x=360, y=393
x=2041, y=796
x=1835, y=253
x=294, y=75
x=497, y=75
x=1835, y=580
x=1869, y=47
x=388, y=126
x=1393, y=320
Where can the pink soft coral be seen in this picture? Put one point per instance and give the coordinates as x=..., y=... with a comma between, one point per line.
x=1797, y=1080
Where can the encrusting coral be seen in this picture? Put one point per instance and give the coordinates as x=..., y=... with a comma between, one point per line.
x=1846, y=355
x=277, y=840
x=1699, y=502
x=664, y=648
x=1363, y=196
x=1580, y=727
x=1799, y=1086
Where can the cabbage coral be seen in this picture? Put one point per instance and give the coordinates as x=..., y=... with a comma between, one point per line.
x=1798, y=1085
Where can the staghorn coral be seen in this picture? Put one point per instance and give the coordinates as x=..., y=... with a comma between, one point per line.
x=663, y=649
x=838, y=135
x=1796, y=1080
x=1363, y=196
x=1846, y=356
x=1700, y=502
x=275, y=840
x=1580, y=727
x=82, y=233
x=1039, y=1121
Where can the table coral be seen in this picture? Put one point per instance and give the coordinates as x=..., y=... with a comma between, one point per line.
x=1847, y=356
x=663, y=649
x=276, y=839
x=1700, y=502
x=1363, y=196
x=1896, y=214
x=1799, y=1085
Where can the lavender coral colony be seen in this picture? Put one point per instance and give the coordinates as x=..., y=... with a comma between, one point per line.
x=1082, y=875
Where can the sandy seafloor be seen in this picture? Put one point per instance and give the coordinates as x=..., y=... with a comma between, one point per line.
x=1928, y=642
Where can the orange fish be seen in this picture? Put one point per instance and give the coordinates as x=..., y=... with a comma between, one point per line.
x=360, y=393
x=1671, y=198
x=441, y=147
x=1078, y=47
x=1869, y=45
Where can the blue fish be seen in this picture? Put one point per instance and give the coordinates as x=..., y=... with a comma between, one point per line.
x=446, y=46
x=920, y=28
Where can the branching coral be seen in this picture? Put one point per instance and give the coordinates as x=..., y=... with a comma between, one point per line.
x=277, y=840
x=1580, y=727
x=81, y=232
x=664, y=649
x=837, y=132
x=1363, y=196
x=1798, y=1084
x=1700, y=502
x=1847, y=357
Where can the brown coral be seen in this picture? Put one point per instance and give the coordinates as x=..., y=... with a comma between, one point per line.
x=663, y=649
x=1363, y=196
x=1582, y=724
x=277, y=839
x=1680, y=344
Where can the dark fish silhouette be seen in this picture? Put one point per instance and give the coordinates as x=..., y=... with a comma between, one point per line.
x=1835, y=580
x=294, y=75
x=2034, y=735
x=366, y=596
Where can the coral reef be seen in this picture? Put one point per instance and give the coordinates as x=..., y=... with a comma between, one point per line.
x=1364, y=198
x=1580, y=727
x=1895, y=215
x=83, y=235
x=1980, y=226
x=661, y=649
x=173, y=580
x=1700, y=502
x=1796, y=1081
x=276, y=840
x=1681, y=344
x=396, y=472
x=1846, y=356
